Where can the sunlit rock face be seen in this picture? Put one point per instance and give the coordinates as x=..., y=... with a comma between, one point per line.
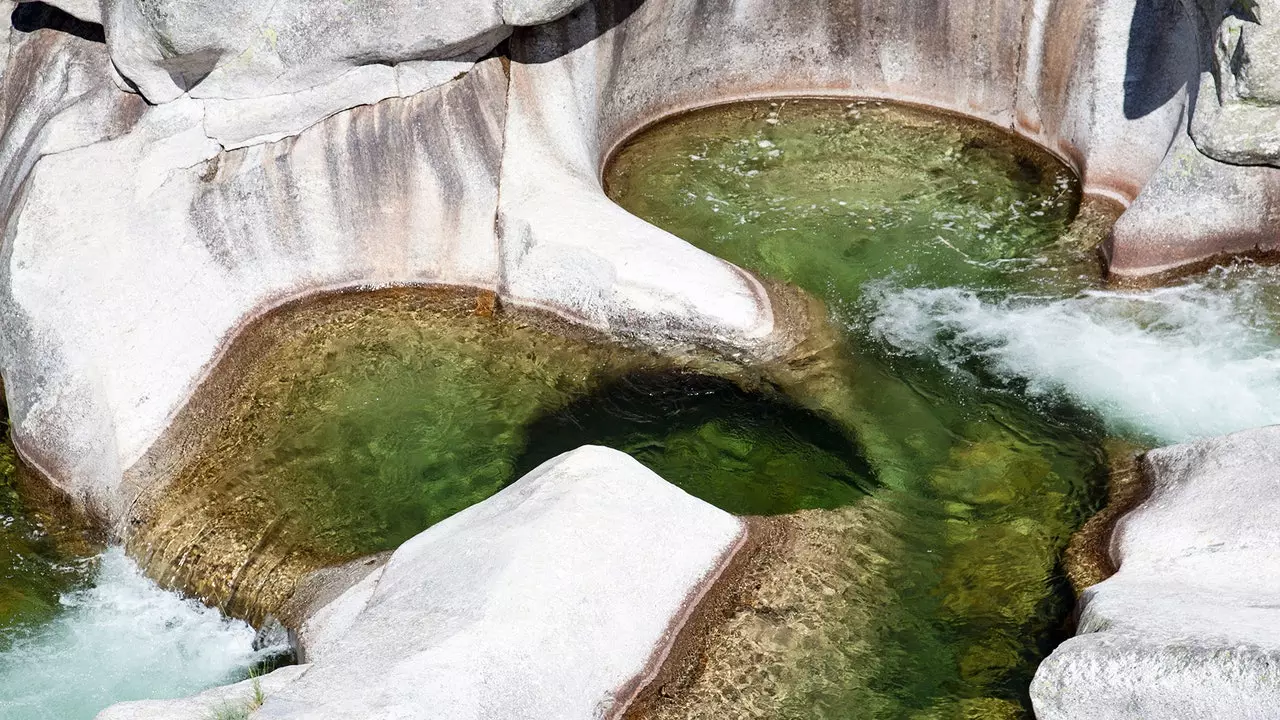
x=1237, y=117
x=165, y=48
x=1188, y=626
x=548, y=600
x=1218, y=190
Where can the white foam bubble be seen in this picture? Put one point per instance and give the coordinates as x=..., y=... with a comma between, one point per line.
x=1196, y=360
x=124, y=638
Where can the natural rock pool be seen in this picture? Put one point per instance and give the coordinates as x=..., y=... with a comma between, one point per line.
x=945, y=587
x=347, y=425
x=925, y=467
x=982, y=365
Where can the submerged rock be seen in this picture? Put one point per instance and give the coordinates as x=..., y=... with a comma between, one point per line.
x=1188, y=627
x=555, y=598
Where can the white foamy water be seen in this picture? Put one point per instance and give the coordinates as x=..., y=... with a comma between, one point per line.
x=122, y=639
x=1191, y=361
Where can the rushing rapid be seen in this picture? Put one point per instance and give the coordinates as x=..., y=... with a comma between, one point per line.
x=121, y=638
x=1195, y=360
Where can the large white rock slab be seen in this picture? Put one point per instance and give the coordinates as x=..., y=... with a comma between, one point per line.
x=131, y=261
x=260, y=48
x=1189, y=627
x=552, y=600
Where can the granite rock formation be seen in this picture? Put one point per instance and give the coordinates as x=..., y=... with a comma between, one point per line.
x=1187, y=627
x=496, y=612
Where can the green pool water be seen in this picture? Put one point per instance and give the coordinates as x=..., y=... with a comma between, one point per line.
x=953, y=590
x=367, y=418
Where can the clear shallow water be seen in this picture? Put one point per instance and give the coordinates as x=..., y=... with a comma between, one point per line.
x=120, y=637
x=364, y=419
x=952, y=587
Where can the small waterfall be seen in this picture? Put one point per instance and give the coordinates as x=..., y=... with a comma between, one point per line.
x=1198, y=359
x=122, y=638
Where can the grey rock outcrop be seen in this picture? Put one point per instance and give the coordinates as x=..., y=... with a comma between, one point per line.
x=1219, y=195
x=1188, y=628
x=554, y=598
x=1237, y=113
x=1196, y=208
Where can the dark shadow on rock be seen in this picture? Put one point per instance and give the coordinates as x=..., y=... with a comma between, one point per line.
x=1161, y=41
x=545, y=43
x=32, y=16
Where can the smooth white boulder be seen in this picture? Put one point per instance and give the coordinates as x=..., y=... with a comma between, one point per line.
x=552, y=600
x=134, y=259
x=1189, y=626
x=260, y=48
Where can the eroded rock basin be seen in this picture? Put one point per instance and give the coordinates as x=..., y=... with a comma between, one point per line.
x=922, y=458
x=343, y=427
x=983, y=364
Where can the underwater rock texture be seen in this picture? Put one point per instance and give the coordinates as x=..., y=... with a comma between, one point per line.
x=552, y=599
x=1188, y=627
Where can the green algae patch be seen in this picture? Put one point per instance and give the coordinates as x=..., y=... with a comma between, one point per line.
x=937, y=596
x=344, y=426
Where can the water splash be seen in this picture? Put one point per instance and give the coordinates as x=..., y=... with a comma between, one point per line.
x=123, y=638
x=1195, y=360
